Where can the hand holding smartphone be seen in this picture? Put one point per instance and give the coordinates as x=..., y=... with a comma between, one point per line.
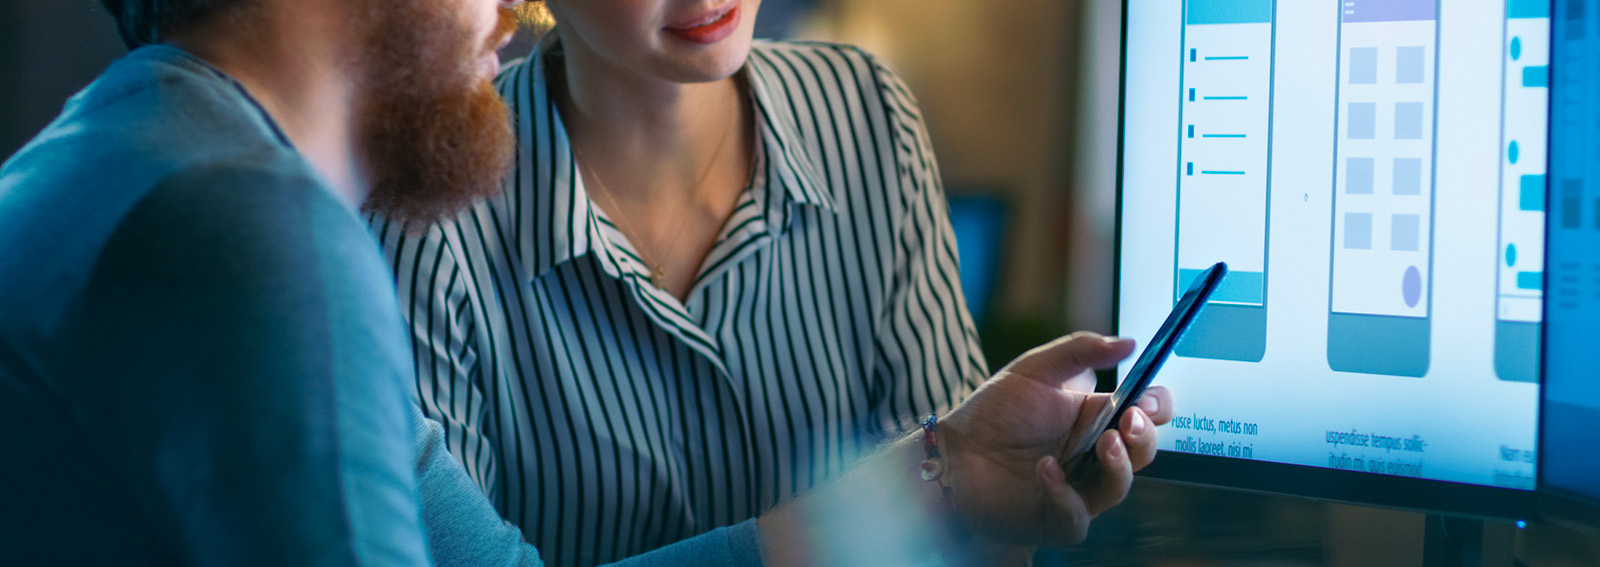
x=1081, y=458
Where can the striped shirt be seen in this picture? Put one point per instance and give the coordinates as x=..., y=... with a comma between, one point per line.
x=607, y=418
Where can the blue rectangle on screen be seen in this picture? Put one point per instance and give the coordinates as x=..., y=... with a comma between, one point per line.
x=1530, y=195
x=1236, y=287
x=1527, y=8
x=1390, y=10
x=1533, y=281
x=1536, y=76
x=1229, y=12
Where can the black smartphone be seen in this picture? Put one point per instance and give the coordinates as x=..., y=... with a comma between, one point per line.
x=1144, y=369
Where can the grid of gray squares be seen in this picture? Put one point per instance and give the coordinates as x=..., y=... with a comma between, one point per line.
x=1362, y=125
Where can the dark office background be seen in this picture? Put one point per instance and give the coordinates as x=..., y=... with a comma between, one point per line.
x=49, y=49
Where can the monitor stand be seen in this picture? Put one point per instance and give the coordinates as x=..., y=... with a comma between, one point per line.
x=1450, y=541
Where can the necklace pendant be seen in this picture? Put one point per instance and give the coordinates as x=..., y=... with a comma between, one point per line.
x=659, y=277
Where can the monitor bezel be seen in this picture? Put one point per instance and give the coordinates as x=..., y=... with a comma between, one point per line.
x=1366, y=489
x=1558, y=505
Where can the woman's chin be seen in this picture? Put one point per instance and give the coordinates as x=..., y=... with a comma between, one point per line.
x=706, y=66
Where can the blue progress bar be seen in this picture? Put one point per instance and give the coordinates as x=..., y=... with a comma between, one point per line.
x=1236, y=287
x=1229, y=12
x=1215, y=172
x=1527, y=9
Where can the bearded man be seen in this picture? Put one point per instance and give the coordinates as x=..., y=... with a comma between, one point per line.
x=202, y=362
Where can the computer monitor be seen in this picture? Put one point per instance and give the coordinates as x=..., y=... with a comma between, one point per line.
x=1569, y=469
x=1373, y=172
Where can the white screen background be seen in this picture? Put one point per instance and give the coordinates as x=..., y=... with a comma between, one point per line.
x=1477, y=428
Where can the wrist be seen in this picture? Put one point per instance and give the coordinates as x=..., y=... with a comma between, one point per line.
x=955, y=452
x=940, y=471
x=952, y=441
x=880, y=509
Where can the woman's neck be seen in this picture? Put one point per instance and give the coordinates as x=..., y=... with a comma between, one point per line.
x=666, y=161
x=653, y=139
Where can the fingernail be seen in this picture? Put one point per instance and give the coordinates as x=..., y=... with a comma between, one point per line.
x=1139, y=423
x=1052, y=468
x=1150, y=404
x=1112, y=340
x=1116, y=450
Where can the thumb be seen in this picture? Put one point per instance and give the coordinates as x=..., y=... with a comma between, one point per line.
x=1060, y=360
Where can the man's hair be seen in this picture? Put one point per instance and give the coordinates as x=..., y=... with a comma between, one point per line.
x=143, y=22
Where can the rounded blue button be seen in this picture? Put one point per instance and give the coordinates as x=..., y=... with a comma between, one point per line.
x=1411, y=286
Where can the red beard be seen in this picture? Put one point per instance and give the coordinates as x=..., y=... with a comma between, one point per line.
x=434, y=136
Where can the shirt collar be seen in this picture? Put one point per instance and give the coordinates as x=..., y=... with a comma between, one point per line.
x=782, y=138
x=568, y=224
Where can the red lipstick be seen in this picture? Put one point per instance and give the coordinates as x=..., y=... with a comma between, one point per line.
x=712, y=27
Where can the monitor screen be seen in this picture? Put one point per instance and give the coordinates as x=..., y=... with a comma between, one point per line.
x=1571, y=410
x=1373, y=172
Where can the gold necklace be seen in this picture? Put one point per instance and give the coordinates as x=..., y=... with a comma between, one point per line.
x=658, y=277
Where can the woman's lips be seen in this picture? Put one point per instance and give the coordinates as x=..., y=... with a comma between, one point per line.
x=713, y=27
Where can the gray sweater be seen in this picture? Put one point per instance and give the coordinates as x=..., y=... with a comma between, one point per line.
x=201, y=359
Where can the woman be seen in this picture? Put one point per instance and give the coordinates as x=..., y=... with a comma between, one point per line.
x=721, y=271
